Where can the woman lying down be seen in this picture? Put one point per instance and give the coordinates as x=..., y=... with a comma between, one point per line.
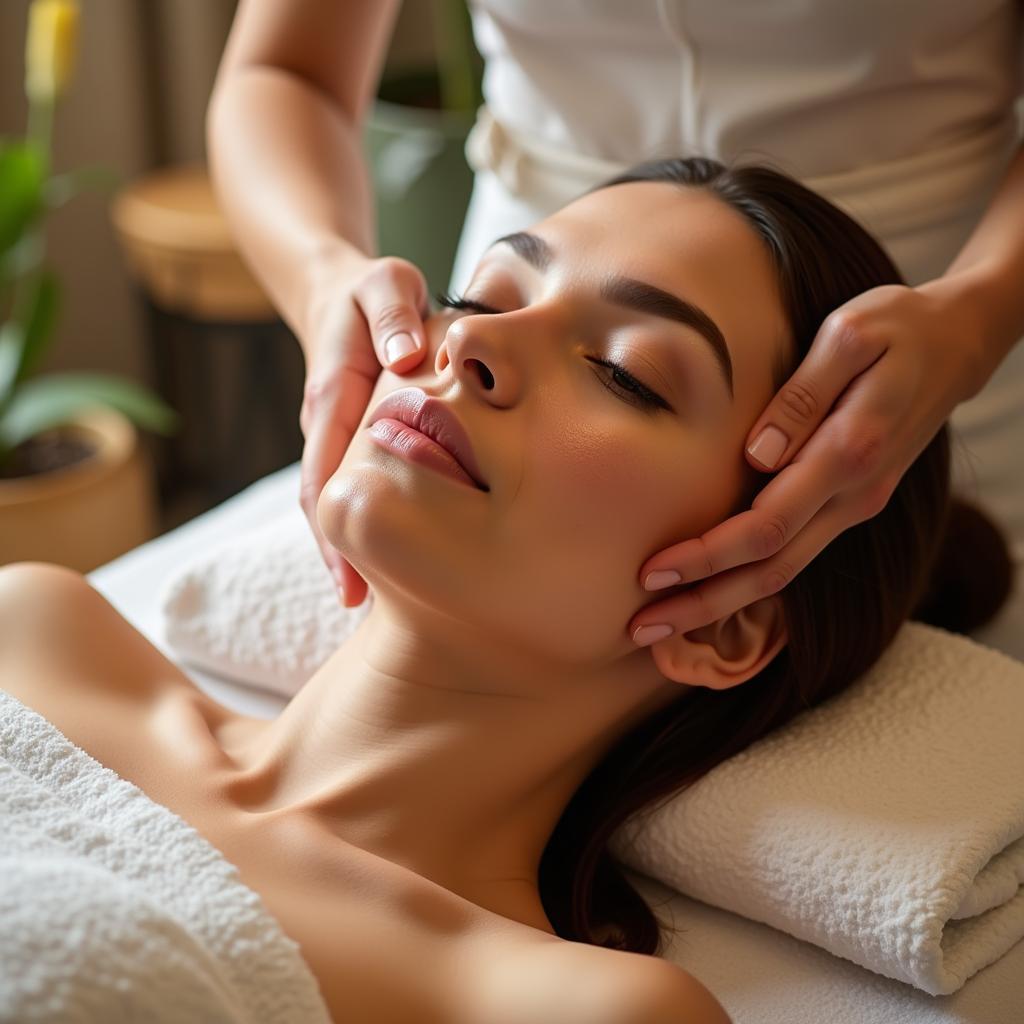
x=428, y=818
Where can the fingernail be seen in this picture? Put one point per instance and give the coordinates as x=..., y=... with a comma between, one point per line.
x=768, y=446
x=661, y=578
x=644, y=635
x=397, y=346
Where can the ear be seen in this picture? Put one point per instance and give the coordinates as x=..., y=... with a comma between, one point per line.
x=727, y=652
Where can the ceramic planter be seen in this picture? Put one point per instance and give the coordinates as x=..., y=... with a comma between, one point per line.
x=88, y=513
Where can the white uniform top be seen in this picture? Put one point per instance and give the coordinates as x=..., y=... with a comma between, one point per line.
x=902, y=112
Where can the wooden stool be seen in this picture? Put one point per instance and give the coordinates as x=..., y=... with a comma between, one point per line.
x=221, y=355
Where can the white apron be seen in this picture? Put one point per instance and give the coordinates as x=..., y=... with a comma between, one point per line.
x=901, y=114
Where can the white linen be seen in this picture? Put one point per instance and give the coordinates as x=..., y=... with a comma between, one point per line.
x=260, y=608
x=760, y=974
x=115, y=909
x=886, y=825
x=765, y=976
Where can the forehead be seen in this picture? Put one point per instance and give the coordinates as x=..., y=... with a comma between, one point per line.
x=692, y=244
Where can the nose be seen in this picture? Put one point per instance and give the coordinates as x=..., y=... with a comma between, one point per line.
x=480, y=352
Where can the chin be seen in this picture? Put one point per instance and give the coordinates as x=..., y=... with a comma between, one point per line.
x=429, y=554
x=340, y=505
x=361, y=513
x=386, y=534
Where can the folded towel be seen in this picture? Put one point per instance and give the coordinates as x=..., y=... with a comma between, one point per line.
x=260, y=609
x=115, y=909
x=885, y=825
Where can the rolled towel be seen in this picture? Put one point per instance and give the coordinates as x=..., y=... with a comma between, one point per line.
x=260, y=609
x=885, y=825
x=114, y=909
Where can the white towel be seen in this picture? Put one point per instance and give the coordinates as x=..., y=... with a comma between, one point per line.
x=114, y=909
x=885, y=826
x=260, y=609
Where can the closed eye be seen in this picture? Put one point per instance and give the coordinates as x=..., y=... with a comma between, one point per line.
x=458, y=302
x=632, y=390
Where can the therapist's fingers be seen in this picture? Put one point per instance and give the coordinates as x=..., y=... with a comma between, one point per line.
x=727, y=592
x=769, y=541
x=777, y=514
x=362, y=313
x=847, y=343
x=392, y=296
x=333, y=404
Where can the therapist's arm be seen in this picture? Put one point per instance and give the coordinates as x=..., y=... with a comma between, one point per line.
x=988, y=272
x=284, y=139
x=284, y=130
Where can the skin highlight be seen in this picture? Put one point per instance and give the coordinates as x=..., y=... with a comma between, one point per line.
x=493, y=669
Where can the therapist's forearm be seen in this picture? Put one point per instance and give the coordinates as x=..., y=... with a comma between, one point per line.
x=988, y=272
x=289, y=172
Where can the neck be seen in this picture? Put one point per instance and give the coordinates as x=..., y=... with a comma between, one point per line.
x=445, y=753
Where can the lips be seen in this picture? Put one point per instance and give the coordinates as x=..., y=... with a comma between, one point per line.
x=430, y=416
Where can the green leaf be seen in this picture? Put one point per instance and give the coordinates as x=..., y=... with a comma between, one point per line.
x=62, y=187
x=49, y=401
x=21, y=189
x=12, y=344
x=25, y=256
x=42, y=315
x=24, y=338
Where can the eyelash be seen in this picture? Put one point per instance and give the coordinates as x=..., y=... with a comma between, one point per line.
x=641, y=395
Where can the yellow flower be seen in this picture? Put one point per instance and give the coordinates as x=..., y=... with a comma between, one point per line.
x=50, y=47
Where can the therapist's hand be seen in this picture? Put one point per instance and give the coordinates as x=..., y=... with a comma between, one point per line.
x=882, y=375
x=358, y=316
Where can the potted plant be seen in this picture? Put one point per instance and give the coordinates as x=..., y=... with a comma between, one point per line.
x=415, y=140
x=75, y=485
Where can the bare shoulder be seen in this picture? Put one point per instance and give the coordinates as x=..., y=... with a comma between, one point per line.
x=563, y=982
x=30, y=594
x=671, y=995
x=29, y=581
x=649, y=990
x=54, y=626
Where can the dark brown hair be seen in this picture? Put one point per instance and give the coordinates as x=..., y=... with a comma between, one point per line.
x=841, y=611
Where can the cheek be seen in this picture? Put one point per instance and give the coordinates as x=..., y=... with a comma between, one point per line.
x=615, y=496
x=604, y=494
x=590, y=473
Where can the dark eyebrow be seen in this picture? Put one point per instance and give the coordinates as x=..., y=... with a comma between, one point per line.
x=638, y=295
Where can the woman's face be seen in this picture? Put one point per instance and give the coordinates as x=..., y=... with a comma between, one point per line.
x=586, y=480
